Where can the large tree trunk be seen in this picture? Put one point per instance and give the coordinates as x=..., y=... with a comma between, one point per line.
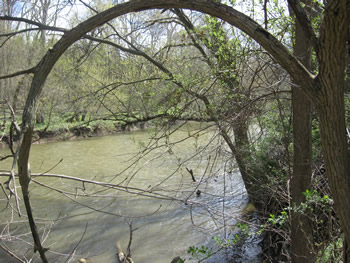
x=335, y=149
x=301, y=226
x=332, y=110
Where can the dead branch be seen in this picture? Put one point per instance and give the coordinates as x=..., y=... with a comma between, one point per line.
x=8, y=183
x=191, y=173
x=13, y=117
x=18, y=73
x=131, y=230
x=126, y=189
x=100, y=210
x=122, y=258
x=5, y=157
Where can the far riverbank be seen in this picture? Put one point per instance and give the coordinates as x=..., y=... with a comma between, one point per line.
x=79, y=130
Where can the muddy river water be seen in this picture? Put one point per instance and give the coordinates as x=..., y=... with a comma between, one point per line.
x=150, y=192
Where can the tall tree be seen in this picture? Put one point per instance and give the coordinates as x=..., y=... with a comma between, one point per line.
x=226, y=63
x=301, y=227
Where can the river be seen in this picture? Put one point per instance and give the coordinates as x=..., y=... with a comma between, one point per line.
x=85, y=220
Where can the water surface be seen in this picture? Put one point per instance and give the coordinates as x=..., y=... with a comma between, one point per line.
x=85, y=220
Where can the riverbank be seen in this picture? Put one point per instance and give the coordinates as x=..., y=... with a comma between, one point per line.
x=75, y=131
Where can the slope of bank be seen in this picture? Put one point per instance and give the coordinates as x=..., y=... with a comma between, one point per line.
x=74, y=131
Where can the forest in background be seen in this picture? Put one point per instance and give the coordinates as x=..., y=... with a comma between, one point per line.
x=171, y=65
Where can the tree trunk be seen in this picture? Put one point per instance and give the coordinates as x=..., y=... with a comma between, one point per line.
x=301, y=226
x=335, y=150
x=242, y=154
x=346, y=245
x=331, y=84
x=240, y=149
x=347, y=83
x=24, y=175
x=337, y=159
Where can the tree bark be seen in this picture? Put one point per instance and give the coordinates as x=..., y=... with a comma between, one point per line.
x=333, y=33
x=346, y=244
x=24, y=179
x=301, y=227
x=242, y=155
x=347, y=82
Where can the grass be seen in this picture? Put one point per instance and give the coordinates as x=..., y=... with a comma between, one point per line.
x=332, y=253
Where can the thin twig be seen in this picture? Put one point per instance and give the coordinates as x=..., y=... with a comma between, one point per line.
x=8, y=251
x=76, y=246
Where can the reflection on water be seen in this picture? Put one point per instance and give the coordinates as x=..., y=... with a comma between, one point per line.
x=74, y=224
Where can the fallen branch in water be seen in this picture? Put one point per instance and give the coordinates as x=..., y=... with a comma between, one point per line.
x=122, y=258
x=191, y=173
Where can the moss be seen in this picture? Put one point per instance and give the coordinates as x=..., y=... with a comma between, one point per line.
x=250, y=208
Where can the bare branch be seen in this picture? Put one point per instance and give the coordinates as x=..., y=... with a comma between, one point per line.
x=13, y=116
x=305, y=23
x=75, y=247
x=12, y=178
x=127, y=189
x=41, y=26
x=8, y=251
x=18, y=73
x=190, y=29
x=5, y=157
x=11, y=34
x=31, y=22
x=131, y=230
